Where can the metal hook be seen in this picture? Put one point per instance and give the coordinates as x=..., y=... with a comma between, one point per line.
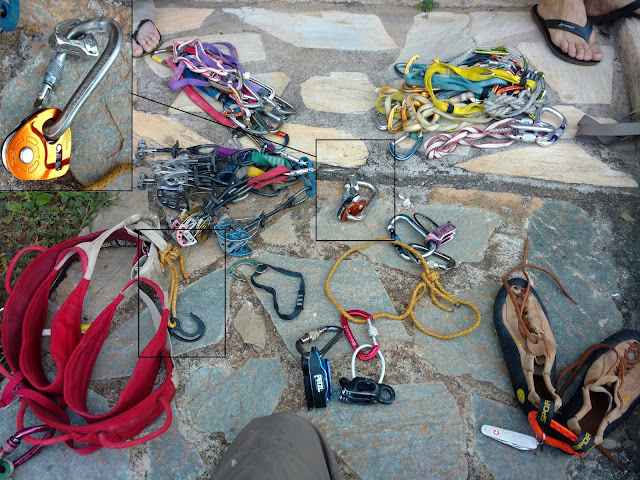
x=257, y=265
x=412, y=150
x=424, y=251
x=176, y=330
x=450, y=262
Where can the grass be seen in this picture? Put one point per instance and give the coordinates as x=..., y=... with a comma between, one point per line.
x=40, y=218
x=427, y=5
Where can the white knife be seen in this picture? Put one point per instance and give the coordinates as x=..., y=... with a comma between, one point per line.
x=513, y=439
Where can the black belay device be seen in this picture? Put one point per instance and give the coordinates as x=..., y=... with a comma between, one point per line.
x=362, y=391
x=315, y=369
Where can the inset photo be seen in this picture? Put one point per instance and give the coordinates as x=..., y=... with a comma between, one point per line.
x=65, y=96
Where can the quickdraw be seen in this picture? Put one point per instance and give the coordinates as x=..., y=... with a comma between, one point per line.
x=353, y=206
x=373, y=333
x=503, y=133
x=315, y=368
x=473, y=88
x=214, y=69
x=7, y=466
x=39, y=148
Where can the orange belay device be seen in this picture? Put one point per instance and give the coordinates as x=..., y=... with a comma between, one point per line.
x=40, y=147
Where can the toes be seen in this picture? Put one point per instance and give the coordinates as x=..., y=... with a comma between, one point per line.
x=596, y=53
x=572, y=50
x=136, y=50
x=579, y=52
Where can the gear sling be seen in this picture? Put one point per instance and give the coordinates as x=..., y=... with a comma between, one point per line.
x=75, y=353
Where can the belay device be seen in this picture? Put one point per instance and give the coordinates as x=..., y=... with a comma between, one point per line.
x=315, y=368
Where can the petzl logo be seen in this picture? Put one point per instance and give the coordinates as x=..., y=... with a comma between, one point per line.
x=545, y=409
x=319, y=382
x=585, y=441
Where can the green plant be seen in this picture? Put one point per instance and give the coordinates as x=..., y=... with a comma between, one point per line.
x=427, y=5
x=40, y=218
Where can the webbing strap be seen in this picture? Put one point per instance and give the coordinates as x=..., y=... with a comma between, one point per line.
x=589, y=130
x=272, y=292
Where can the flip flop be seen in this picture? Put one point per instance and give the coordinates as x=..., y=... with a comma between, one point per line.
x=134, y=35
x=624, y=12
x=583, y=32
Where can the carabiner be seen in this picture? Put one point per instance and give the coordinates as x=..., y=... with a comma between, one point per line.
x=314, y=334
x=550, y=138
x=424, y=250
x=394, y=152
x=40, y=147
x=450, y=262
x=353, y=206
x=7, y=466
x=175, y=329
x=373, y=333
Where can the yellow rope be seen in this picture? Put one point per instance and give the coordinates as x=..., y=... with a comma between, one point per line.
x=167, y=258
x=429, y=279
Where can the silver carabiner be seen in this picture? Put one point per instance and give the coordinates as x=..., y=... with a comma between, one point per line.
x=425, y=251
x=351, y=198
x=551, y=138
x=448, y=265
x=66, y=45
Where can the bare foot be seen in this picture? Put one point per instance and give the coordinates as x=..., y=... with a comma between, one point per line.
x=147, y=39
x=600, y=7
x=571, y=44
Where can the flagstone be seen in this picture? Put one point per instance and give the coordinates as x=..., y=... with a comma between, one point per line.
x=175, y=20
x=340, y=92
x=248, y=45
x=281, y=232
x=573, y=116
x=628, y=38
x=161, y=131
x=326, y=30
x=173, y=452
x=355, y=285
x=564, y=162
x=225, y=401
x=486, y=27
x=499, y=458
x=440, y=34
x=422, y=431
x=351, y=152
x=592, y=85
x=250, y=326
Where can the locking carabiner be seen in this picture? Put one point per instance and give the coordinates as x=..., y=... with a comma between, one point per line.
x=373, y=333
x=39, y=148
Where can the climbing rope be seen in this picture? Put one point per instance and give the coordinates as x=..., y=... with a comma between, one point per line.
x=168, y=257
x=430, y=280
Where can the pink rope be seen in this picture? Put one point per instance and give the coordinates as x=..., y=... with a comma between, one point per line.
x=444, y=144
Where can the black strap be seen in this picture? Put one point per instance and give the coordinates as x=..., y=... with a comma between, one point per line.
x=583, y=32
x=584, y=443
x=299, y=299
x=545, y=413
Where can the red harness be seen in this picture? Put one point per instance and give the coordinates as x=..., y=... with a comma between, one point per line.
x=75, y=354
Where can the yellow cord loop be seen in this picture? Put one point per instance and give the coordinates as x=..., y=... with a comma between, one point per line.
x=168, y=257
x=430, y=279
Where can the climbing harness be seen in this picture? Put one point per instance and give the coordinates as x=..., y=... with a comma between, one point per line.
x=9, y=15
x=221, y=176
x=315, y=368
x=39, y=148
x=215, y=70
x=144, y=398
x=482, y=84
x=373, y=333
x=7, y=466
x=503, y=133
x=353, y=206
x=431, y=240
x=429, y=279
x=260, y=268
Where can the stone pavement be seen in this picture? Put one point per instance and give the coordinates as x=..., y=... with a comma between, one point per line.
x=101, y=131
x=578, y=203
